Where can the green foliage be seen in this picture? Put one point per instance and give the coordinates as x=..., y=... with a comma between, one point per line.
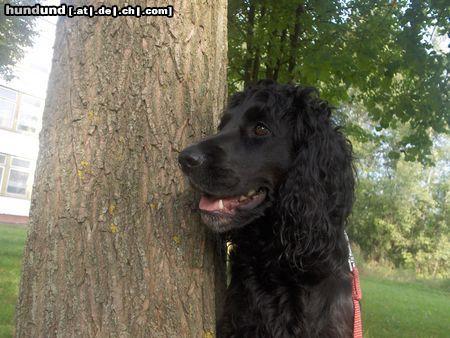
x=16, y=33
x=379, y=54
x=401, y=211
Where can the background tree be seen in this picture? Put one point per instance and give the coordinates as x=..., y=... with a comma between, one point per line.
x=379, y=54
x=114, y=247
x=16, y=33
x=401, y=215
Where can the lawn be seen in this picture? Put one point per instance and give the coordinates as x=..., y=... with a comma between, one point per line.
x=12, y=240
x=390, y=309
x=396, y=309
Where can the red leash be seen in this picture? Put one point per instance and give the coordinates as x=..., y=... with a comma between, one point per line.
x=356, y=293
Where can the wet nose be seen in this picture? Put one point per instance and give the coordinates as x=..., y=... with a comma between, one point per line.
x=191, y=158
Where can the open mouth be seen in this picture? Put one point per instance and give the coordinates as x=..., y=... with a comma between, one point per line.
x=229, y=205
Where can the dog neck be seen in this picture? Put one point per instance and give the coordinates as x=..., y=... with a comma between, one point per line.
x=257, y=243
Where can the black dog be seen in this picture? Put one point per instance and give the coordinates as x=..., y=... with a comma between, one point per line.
x=277, y=180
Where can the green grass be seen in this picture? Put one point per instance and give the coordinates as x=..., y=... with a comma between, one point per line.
x=397, y=309
x=391, y=309
x=12, y=240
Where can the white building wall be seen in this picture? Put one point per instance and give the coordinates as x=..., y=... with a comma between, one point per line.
x=20, y=145
x=14, y=206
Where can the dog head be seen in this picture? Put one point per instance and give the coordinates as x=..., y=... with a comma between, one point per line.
x=275, y=151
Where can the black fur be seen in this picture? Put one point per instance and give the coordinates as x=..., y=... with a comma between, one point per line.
x=289, y=271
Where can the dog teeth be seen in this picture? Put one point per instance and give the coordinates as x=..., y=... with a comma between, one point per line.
x=242, y=198
x=251, y=193
x=220, y=204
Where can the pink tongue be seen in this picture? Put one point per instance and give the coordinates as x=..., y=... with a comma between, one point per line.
x=208, y=204
x=211, y=204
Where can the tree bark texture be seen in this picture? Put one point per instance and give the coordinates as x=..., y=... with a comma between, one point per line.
x=115, y=247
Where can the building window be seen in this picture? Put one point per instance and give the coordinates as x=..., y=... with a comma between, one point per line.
x=19, y=111
x=17, y=182
x=2, y=168
x=15, y=175
x=29, y=112
x=7, y=107
x=21, y=163
x=18, y=176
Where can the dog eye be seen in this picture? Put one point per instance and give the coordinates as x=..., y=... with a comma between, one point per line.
x=262, y=130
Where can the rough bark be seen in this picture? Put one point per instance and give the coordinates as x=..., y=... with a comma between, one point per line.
x=115, y=248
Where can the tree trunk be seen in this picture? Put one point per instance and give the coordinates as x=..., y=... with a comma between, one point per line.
x=257, y=59
x=115, y=247
x=249, y=44
x=294, y=43
x=277, y=69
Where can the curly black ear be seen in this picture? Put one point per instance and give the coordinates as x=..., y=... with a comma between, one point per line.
x=317, y=195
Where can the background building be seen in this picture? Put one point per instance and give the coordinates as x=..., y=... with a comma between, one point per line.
x=21, y=106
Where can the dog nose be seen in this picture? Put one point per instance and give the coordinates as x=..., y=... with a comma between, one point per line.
x=191, y=158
